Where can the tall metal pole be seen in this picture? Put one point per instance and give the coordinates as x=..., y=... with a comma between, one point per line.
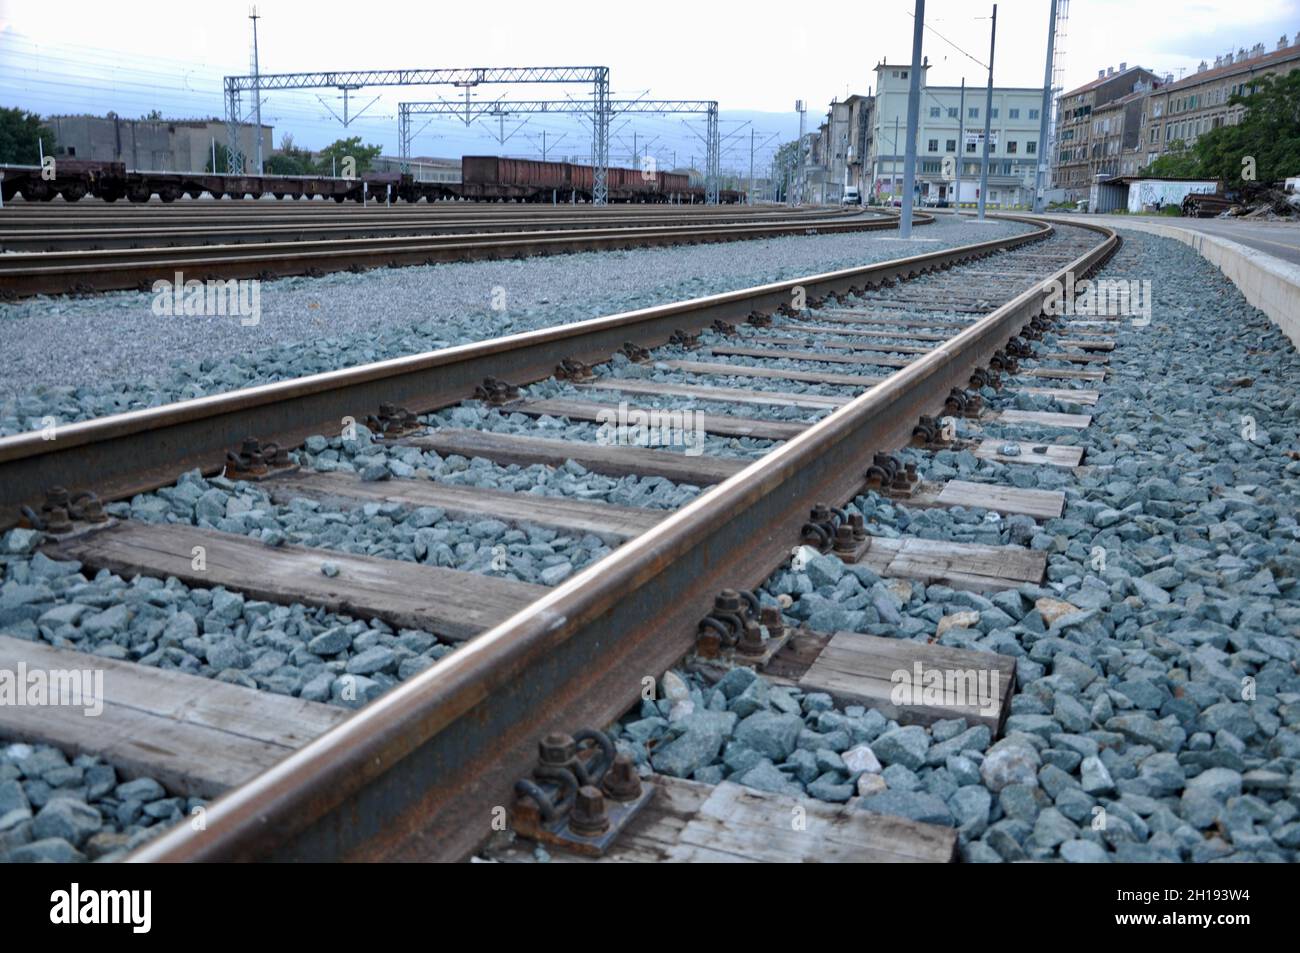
x=257, y=92
x=913, y=119
x=798, y=105
x=961, y=141
x=893, y=165
x=749, y=195
x=988, y=117
x=1044, y=118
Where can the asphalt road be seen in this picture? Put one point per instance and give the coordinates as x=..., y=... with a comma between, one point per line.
x=1279, y=239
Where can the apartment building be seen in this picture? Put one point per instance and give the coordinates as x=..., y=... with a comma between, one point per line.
x=1177, y=113
x=1082, y=137
x=952, y=126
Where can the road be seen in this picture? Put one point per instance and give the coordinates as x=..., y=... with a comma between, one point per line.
x=1279, y=239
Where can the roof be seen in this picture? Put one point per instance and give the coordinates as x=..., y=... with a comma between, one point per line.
x=1245, y=66
x=1102, y=80
x=1130, y=179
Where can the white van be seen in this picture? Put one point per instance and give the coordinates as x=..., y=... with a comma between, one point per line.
x=851, y=196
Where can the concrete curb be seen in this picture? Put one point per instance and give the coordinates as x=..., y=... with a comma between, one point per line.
x=1268, y=283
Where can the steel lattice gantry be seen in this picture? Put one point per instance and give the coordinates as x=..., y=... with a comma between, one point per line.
x=469, y=111
x=595, y=76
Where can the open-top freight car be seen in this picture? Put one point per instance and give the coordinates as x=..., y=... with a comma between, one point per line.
x=483, y=178
x=494, y=178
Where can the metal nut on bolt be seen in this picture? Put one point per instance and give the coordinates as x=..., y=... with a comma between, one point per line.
x=751, y=639
x=557, y=749
x=622, y=783
x=588, y=817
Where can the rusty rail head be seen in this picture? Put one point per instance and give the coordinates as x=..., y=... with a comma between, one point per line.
x=416, y=774
x=134, y=452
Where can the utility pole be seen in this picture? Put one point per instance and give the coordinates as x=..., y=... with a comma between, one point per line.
x=749, y=194
x=1044, y=117
x=799, y=169
x=893, y=165
x=257, y=92
x=988, y=117
x=913, y=119
x=961, y=141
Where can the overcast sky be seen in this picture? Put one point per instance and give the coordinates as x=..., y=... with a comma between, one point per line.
x=75, y=56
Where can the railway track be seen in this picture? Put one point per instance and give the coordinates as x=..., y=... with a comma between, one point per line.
x=39, y=233
x=857, y=362
x=86, y=271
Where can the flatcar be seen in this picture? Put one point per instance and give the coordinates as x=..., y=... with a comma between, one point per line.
x=483, y=179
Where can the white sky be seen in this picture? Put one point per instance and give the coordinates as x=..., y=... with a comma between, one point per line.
x=75, y=56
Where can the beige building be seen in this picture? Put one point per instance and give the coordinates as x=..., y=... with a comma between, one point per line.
x=950, y=141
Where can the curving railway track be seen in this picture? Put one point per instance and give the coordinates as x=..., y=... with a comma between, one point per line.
x=889, y=350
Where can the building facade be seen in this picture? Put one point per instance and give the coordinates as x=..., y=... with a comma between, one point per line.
x=1178, y=113
x=154, y=145
x=950, y=139
x=1082, y=137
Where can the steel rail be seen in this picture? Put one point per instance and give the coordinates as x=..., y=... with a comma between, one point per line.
x=93, y=237
x=31, y=273
x=467, y=212
x=35, y=212
x=417, y=774
x=140, y=450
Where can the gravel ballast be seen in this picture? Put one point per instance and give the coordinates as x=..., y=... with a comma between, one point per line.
x=77, y=358
x=1157, y=711
x=56, y=809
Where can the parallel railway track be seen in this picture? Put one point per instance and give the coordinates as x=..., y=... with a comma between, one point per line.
x=38, y=232
x=415, y=774
x=84, y=271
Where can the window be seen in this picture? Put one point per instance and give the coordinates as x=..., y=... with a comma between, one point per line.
x=950, y=145
x=973, y=112
x=933, y=145
x=902, y=74
x=1031, y=147
x=952, y=112
x=1033, y=114
x=1013, y=113
x=970, y=146
x=1011, y=147
x=934, y=112
x=1006, y=168
x=994, y=113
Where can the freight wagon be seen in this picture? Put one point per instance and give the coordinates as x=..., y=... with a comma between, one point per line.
x=110, y=181
x=494, y=178
x=483, y=178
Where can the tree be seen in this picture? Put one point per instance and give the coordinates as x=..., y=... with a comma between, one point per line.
x=223, y=160
x=1178, y=163
x=290, y=160
x=786, y=164
x=19, y=132
x=329, y=161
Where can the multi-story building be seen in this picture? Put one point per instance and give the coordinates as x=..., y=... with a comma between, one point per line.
x=834, y=153
x=951, y=128
x=859, y=141
x=1177, y=113
x=1081, y=138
